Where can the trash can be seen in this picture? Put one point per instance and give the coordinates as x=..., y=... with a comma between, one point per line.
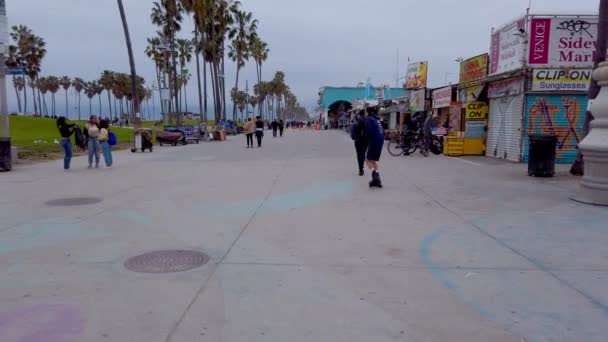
x=6, y=159
x=541, y=158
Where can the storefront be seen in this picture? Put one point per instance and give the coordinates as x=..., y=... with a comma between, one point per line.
x=504, y=138
x=442, y=101
x=468, y=138
x=556, y=100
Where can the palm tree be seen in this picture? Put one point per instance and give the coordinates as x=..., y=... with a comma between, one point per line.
x=167, y=14
x=53, y=87
x=66, y=83
x=106, y=80
x=259, y=52
x=131, y=58
x=43, y=87
x=19, y=84
x=154, y=52
x=184, y=53
x=32, y=51
x=241, y=34
x=90, y=90
x=14, y=60
x=79, y=85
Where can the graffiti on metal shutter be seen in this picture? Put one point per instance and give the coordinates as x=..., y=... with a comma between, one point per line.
x=559, y=115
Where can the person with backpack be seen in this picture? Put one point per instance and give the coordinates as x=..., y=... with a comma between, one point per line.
x=375, y=137
x=66, y=130
x=357, y=133
x=106, y=140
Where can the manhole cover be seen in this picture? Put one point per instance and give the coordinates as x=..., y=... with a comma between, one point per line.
x=166, y=261
x=74, y=201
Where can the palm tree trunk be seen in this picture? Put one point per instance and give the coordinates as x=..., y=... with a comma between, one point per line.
x=158, y=70
x=79, y=117
x=125, y=26
x=236, y=86
x=24, y=95
x=218, y=96
x=90, y=106
x=99, y=98
x=109, y=104
x=198, y=75
x=223, y=81
x=39, y=99
x=186, y=97
x=116, y=114
x=53, y=103
x=46, y=109
x=205, y=91
x=67, y=108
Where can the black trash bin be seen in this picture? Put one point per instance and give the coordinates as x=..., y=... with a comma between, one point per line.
x=541, y=159
x=5, y=154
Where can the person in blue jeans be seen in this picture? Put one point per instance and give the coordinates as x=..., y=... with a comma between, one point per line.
x=104, y=142
x=66, y=130
x=375, y=139
x=92, y=134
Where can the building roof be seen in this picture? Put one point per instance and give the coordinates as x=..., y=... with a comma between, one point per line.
x=331, y=95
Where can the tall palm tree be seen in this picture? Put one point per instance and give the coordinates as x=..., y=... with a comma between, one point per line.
x=66, y=83
x=259, y=52
x=32, y=50
x=53, y=87
x=79, y=85
x=90, y=90
x=42, y=85
x=167, y=14
x=106, y=80
x=241, y=33
x=14, y=60
x=125, y=26
x=154, y=52
x=19, y=84
x=184, y=53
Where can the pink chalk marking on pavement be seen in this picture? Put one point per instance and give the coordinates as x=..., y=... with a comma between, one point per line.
x=42, y=323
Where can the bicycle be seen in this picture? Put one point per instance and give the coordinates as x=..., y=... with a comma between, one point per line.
x=405, y=146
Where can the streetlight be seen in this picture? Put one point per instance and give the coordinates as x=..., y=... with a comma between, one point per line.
x=5, y=137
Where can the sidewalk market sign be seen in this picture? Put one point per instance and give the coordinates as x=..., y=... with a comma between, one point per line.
x=474, y=69
x=563, y=42
x=416, y=76
x=507, y=47
x=561, y=80
x=442, y=97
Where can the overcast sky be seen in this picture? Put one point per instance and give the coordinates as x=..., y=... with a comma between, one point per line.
x=315, y=42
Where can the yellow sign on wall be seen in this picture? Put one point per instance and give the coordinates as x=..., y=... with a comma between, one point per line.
x=476, y=111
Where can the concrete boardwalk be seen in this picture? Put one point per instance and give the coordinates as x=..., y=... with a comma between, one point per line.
x=465, y=250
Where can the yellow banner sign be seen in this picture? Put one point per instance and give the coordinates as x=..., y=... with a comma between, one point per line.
x=476, y=111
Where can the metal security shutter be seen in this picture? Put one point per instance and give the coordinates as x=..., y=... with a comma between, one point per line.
x=504, y=128
x=561, y=115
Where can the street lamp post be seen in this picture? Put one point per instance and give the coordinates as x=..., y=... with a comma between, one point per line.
x=5, y=137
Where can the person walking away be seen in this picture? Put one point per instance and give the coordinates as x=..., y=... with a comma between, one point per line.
x=375, y=137
x=357, y=133
x=104, y=142
x=259, y=131
x=92, y=134
x=429, y=125
x=66, y=130
x=249, y=129
x=281, y=127
x=275, y=127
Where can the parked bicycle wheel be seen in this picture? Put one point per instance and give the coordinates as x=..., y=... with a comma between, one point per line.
x=395, y=147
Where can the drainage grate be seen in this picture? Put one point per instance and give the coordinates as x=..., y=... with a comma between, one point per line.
x=166, y=261
x=73, y=201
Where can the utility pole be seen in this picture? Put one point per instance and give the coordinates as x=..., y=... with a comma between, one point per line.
x=5, y=137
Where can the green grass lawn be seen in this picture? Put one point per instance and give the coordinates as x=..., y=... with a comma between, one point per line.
x=35, y=137
x=26, y=130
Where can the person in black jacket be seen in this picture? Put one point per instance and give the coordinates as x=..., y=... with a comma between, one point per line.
x=357, y=133
x=259, y=130
x=375, y=137
x=275, y=127
x=281, y=127
x=66, y=130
